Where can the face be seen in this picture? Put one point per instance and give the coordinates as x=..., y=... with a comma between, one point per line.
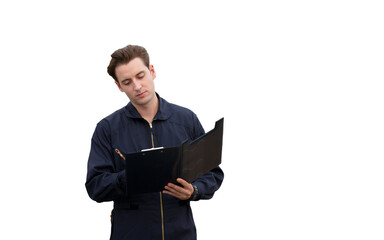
x=136, y=81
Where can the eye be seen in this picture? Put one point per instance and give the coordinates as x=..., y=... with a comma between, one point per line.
x=126, y=82
x=141, y=76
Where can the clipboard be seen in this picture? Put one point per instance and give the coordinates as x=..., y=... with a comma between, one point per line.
x=150, y=170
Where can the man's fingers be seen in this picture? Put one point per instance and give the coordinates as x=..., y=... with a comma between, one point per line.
x=182, y=182
x=174, y=188
x=185, y=184
x=182, y=193
x=177, y=194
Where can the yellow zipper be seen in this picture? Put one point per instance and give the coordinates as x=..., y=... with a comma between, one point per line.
x=162, y=215
x=153, y=143
x=161, y=196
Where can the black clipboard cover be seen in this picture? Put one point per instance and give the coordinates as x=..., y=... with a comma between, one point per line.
x=151, y=170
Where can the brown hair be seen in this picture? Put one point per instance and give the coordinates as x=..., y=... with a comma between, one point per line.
x=125, y=55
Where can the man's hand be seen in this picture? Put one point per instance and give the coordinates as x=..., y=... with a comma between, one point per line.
x=182, y=193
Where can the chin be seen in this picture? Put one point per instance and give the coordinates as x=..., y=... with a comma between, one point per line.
x=143, y=101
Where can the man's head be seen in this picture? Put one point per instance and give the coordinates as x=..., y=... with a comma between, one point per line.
x=125, y=55
x=134, y=75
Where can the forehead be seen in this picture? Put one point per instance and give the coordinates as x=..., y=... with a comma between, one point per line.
x=130, y=69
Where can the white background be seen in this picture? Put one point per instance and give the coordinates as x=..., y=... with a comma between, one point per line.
x=300, y=84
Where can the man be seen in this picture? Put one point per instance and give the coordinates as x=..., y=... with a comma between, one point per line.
x=147, y=121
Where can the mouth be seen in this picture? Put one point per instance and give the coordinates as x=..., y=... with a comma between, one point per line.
x=142, y=94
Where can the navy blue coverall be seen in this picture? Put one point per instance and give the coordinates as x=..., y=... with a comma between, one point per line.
x=150, y=215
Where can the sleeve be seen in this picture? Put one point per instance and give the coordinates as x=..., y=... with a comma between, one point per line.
x=103, y=182
x=210, y=182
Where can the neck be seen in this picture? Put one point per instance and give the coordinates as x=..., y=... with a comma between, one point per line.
x=149, y=110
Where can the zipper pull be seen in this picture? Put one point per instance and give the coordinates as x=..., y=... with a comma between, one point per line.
x=151, y=129
x=118, y=152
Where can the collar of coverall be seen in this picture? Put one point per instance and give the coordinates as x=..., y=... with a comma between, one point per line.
x=163, y=113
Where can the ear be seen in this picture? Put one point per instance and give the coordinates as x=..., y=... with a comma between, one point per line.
x=119, y=86
x=152, y=70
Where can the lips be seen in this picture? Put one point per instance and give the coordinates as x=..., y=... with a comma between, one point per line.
x=140, y=95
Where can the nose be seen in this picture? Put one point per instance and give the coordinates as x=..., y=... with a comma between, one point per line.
x=136, y=85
